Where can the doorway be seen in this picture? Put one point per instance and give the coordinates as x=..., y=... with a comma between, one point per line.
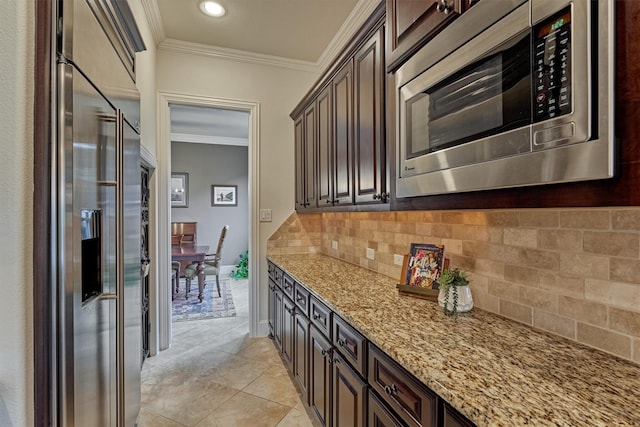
x=163, y=153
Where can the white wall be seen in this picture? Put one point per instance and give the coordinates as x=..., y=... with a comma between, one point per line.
x=209, y=164
x=278, y=90
x=16, y=186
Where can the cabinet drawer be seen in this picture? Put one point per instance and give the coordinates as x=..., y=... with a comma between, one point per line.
x=351, y=344
x=320, y=316
x=380, y=415
x=301, y=299
x=288, y=285
x=275, y=273
x=412, y=401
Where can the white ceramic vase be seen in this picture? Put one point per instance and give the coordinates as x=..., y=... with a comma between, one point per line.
x=465, y=300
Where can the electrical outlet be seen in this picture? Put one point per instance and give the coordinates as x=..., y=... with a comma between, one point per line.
x=371, y=254
x=398, y=259
x=334, y=244
x=265, y=215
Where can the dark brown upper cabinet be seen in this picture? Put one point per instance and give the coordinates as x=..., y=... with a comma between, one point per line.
x=340, y=129
x=369, y=124
x=412, y=23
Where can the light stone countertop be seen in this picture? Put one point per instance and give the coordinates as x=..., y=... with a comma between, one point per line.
x=495, y=371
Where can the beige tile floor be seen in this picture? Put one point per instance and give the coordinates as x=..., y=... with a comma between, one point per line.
x=214, y=374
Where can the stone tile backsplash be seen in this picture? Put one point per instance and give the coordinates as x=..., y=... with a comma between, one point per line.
x=571, y=272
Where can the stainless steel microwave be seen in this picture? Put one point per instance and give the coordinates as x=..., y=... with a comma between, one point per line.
x=513, y=93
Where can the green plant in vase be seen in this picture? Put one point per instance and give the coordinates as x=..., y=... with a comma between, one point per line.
x=242, y=269
x=451, y=280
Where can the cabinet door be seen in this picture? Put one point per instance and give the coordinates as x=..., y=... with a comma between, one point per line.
x=278, y=316
x=301, y=355
x=320, y=376
x=369, y=143
x=309, y=160
x=272, y=307
x=378, y=415
x=414, y=22
x=452, y=418
x=325, y=147
x=299, y=135
x=343, y=137
x=349, y=395
x=288, y=321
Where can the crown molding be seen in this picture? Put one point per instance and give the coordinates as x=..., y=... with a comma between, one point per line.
x=357, y=18
x=237, y=55
x=208, y=139
x=152, y=13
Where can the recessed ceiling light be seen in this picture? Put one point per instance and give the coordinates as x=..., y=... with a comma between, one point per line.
x=212, y=8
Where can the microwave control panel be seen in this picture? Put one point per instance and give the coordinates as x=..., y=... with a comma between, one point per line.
x=552, y=67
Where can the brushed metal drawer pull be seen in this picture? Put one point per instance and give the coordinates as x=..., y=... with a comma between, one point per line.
x=299, y=298
x=341, y=342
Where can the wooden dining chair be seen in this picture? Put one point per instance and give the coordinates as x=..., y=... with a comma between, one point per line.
x=211, y=264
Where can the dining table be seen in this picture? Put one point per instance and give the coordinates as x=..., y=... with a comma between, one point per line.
x=192, y=253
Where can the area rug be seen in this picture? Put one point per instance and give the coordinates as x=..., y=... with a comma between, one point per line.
x=212, y=306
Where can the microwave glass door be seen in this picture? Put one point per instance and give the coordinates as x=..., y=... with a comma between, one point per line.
x=490, y=96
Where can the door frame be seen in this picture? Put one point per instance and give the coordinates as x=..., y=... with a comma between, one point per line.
x=163, y=153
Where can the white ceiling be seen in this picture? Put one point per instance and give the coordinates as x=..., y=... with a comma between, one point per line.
x=306, y=33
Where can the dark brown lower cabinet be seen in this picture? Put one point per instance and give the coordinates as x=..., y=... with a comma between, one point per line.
x=272, y=308
x=301, y=354
x=320, y=376
x=278, y=310
x=452, y=418
x=288, y=335
x=379, y=415
x=349, y=395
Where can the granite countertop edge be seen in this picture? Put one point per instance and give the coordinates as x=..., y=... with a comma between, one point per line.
x=495, y=371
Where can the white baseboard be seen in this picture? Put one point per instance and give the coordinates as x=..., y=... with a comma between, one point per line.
x=263, y=328
x=226, y=269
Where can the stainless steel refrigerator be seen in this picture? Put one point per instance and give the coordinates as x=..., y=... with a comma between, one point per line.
x=97, y=218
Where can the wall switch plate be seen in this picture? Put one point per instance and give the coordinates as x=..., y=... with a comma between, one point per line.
x=265, y=215
x=334, y=244
x=398, y=259
x=371, y=254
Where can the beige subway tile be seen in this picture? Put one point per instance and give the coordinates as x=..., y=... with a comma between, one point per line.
x=504, y=290
x=489, y=234
x=564, y=240
x=626, y=219
x=486, y=301
x=486, y=267
x=431, y=216
x=475, y=249
x=502, y=253
x=478, y=283
x=503, y=218
x=609, y=341
x=613, y=244
x=474, y=217
x=516, y=311
x=636, y=350
x=625, y=270
x=585, y=219
x=539, y=258
x=424, y=229
x=463, y=231
x=408, y=228
x=539, y=218
x=555, y=324
x=625, y=321
x=582, y=265
x=538, y=299
x=562, y=285
x=583, y=310
x=452, y=246
x=618, y=294
x=452, y=217
x=522, y=275
x=442, y=231
x=521, y=237
x=465, y=263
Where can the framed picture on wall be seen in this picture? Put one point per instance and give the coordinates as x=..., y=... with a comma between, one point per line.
x=179, y=190
x=224, y=195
